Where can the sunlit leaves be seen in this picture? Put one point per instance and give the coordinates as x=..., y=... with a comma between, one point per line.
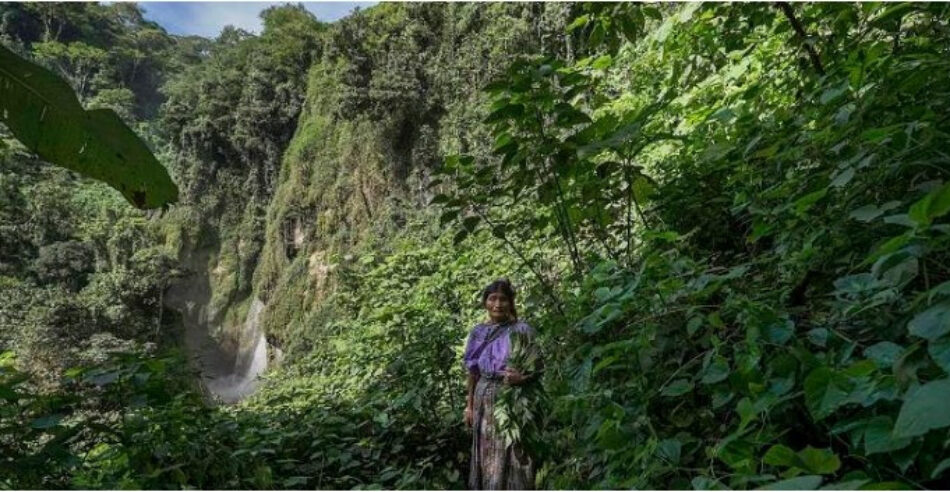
x=810, y=460
x=43, y=113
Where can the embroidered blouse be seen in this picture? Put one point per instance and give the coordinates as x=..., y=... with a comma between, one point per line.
x=492, y=359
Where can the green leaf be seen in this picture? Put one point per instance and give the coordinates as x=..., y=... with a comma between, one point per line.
x=878, y=436
x=939, y=469
x=8, y=394
x=939, y=203
x=602, y=62
x=505, y=112
x=932, y=323
x=448, y=216
x=818, y=336
x=940, y=353
x=499, y=231
x=43, y=113
x=866, y=213
x=900, y=219
x=780, y=455
x=820, y=461
x=846, y=484
x=805, y=482
x=716, y=372
x=924, y=409
x=883, y=353
x=677, y=388
x=578, y=23
x=669, y=449
x=843, y=178
x=833, y=93
x=825, y=391
x=893, y=11
x=292, y=482
x=441, y=198
x=780, y=331
x=806, y=202
x=469, y=223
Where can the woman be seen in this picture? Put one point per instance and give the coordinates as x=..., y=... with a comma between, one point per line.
x=494, y=466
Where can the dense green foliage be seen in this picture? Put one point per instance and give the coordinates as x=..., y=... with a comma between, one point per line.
x=727, y=222
x=44, y=114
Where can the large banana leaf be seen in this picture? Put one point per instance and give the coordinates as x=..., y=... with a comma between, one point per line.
x=44, y=114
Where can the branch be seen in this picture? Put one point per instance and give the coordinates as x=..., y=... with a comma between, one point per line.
x=800, y=31
x=547, y=287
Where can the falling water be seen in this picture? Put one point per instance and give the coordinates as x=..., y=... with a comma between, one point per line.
x=250, y=360
x=229, y=367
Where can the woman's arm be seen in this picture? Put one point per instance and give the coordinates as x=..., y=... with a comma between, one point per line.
x=470, y=400
x=472, y=381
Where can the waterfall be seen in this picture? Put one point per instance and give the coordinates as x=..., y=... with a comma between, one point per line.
x=229, y=365
x=250, y=360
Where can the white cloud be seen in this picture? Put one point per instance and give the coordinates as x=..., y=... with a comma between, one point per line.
x=208, y=18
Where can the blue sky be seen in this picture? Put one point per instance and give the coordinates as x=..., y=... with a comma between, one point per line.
x=208, y=18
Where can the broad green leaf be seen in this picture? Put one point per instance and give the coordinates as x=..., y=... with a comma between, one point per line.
x=846, y=484
x=939, y=351
x=820, y=461
x=805, y=482
x=8, y=393
x=825, y=391
x=866, y=213
x=818, y=336
x=879, y=438
x=441, y=198
x=884, y=354
x=900, y=219
x=833, y=93
x=669, y=449
x=918, y=211
x=448, y=216
x=469, y=223
x=806, y=202
x=893, y=11
x=602, y=62
x=717, y=371
x=706, y=483
x=578, y=22
x=292, y=482
x=677, y=388
x=939, y=203
x=780, y=331
x=780, y=455
x=505, y=112
x=843, y=178
x=932, y=323
x=924, y=408
x=44, y=114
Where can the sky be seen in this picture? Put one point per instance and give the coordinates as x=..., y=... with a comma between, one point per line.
x=208, y=18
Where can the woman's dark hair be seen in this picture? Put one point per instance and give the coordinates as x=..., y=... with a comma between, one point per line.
x=503, y=286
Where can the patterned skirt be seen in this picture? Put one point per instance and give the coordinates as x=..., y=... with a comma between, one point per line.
x=495, y=466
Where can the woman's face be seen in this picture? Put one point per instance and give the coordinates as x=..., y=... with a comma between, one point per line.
x=498, y=306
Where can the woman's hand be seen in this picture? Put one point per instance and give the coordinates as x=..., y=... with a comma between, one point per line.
x=513, y=377
x=469, y=416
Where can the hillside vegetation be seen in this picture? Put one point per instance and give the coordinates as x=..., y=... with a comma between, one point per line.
x=727, y=222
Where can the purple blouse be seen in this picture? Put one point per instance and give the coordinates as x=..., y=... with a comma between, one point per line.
x=492, y=359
